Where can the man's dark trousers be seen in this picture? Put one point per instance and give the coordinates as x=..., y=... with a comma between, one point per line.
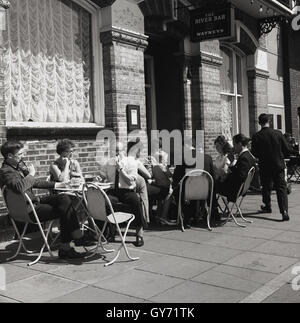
x=278, y=178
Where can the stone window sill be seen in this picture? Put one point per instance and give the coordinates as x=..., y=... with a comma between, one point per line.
x=38, y=130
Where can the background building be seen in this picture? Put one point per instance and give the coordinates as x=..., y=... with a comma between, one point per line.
x=70, y=68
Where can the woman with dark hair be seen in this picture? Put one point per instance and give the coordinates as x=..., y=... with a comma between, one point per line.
x=224, y=159
x=65, y=167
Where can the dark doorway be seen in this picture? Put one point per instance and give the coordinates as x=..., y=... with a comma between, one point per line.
x=168, y=85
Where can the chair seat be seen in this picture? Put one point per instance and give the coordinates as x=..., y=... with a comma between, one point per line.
x=121, y=217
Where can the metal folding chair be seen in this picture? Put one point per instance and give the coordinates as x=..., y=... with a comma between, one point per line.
x=238, y=201
x=97, y=202
x=197, y=185
x=293, y=169
x=17, y=208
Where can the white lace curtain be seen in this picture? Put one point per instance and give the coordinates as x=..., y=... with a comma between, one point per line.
x=48, y=51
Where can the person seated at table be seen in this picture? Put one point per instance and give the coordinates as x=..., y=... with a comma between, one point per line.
x=122, y=171
x=293, y=146
x=158, y=184
x=65, y=167
x=189, y=209
x=159, y=154
x=238, y=173
x=17, y=176
x=224, y=158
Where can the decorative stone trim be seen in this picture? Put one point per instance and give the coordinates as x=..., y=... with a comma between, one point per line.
x=103, y=3
x=125, y=37
x=256, y=72
x=4, y=4
x=203, y=58
x=207, y=58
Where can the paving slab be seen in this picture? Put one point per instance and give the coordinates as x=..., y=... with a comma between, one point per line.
x=192, y=292
x=40, y=288
x=226, y=280
x=93, y=271
x=95, y=295
x=177, y=267
x=191, y=250
x=257, y=232
x=5, y=300
x=288, y=236
x=284, y=295
x=235, y=242
x=139, y=284
x=256, y=276
x=263, y=262
x=195, y=236
x=279, y=248
x=15, y=273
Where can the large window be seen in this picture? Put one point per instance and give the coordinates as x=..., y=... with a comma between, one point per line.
x=49, y=54
x=234, y=94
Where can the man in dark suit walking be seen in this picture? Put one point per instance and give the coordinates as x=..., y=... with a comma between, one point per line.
x=271, y=148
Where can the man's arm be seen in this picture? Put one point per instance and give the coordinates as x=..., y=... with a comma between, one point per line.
x=241, y=169
x=13, y=180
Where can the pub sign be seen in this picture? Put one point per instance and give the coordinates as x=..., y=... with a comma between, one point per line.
x=212, y=23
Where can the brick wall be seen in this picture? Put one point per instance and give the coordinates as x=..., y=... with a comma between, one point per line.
x=291, y=49
x=124, y=81
x=258, y=97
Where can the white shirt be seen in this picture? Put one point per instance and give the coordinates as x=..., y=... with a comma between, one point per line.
x=129, y=166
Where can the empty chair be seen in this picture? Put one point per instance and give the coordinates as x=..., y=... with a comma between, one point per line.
x=238, y=200
x=18, y=211
x=97, y=203
x=196, y=185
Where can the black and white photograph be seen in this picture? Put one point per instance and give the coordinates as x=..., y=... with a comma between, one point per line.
x=149, y=154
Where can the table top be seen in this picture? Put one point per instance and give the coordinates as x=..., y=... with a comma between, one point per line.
x=104, y=186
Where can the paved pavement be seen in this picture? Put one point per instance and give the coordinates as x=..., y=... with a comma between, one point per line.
x=259, y=263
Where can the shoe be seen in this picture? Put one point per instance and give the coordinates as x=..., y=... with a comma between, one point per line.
x=139, y=242
x=265, y=209
x=70, y=254
x=285, y=216
x=216, y=216
x=187, y=225
x=111, y=239
x=84, y=242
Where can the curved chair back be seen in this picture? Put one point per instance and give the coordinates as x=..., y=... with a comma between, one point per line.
x=16, y=205
x=247, y=182
x=197, y=185
x=96, y=201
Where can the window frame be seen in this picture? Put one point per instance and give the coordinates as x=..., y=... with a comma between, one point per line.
x=98, y=82
x=238, y=110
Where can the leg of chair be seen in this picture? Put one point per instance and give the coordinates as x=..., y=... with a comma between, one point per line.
x=219, y=206
x=123, y=245
x=19, y=237
x=46, y=244
x=226, y=208
x=100, y=235
x=209, y=218
x=230, y=214
x=20, y=240
x=240, y=212
x=180, y=218
x=233, y=217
